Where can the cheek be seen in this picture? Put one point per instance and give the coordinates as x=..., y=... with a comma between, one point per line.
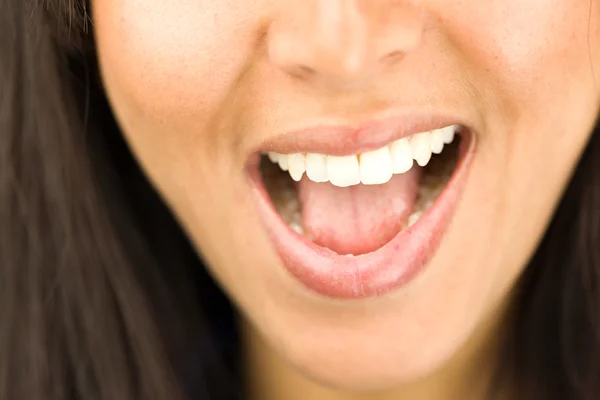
x=523, y=47
x=176, y=58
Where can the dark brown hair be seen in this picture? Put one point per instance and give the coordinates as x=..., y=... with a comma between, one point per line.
x=100, y=292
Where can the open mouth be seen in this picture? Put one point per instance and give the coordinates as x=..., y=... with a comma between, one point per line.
x=355, y=204
x=359, y=225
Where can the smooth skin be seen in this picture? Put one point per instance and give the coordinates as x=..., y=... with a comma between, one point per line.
x=198, y=85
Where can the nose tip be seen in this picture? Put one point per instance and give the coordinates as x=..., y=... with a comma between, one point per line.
x=344, y=42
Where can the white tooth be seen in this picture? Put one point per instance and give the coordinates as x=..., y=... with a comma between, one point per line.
x=376, y=166
x=296, y=165
x=297, y=228
x=316, y=167
x=402, y=156
x=283, y=162
x=343, y=171
x=421, y=148
x=273, y=156
x=448, y=133
x=414, y=217
x=437, y=141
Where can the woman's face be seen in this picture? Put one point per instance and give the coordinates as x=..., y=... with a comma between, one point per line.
x=202, y=87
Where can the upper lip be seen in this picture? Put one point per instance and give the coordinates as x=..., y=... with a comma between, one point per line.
x=357, y=137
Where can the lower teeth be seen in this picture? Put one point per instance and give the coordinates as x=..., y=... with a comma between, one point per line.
x=435, y=177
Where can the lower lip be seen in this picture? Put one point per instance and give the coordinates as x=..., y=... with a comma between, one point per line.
x=390, y=267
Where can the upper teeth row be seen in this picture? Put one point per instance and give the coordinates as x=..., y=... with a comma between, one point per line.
x=370, y=168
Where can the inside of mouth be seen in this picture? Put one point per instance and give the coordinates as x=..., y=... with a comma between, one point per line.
x=432, y=179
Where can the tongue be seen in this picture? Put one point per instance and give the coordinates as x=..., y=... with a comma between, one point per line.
x=357, y=219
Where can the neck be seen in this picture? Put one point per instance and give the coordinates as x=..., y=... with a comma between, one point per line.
x=467, y=375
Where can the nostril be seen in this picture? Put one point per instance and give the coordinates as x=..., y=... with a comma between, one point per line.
x=393, y=57
x=302, y=71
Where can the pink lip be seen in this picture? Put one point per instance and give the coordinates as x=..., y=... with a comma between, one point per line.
x=368, y=275
x=343, y=140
